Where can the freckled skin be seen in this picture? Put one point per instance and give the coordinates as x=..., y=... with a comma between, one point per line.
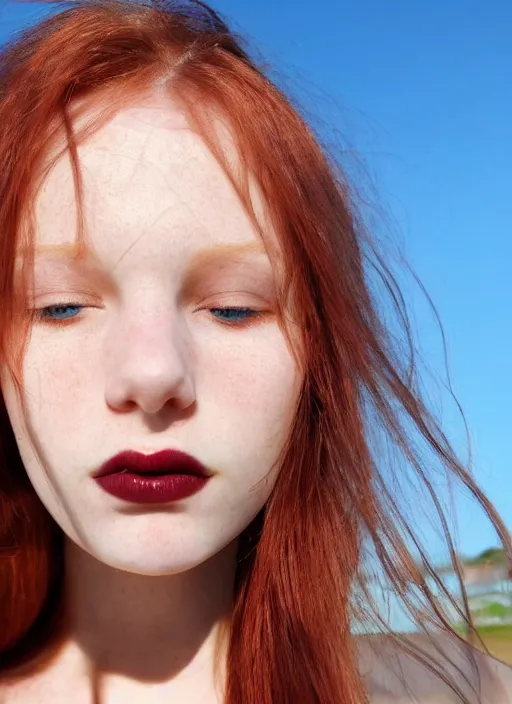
x=145, y=364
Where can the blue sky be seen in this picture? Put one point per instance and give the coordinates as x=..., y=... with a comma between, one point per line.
x=422, y=91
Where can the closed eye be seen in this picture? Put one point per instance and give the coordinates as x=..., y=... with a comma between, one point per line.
x=235, y=316
x=65, y=312
x=58, y=313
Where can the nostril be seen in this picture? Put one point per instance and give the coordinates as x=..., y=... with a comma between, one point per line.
x=151, y=395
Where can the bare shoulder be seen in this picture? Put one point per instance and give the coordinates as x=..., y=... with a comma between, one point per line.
x=43, y=685
x=37, y=690
x=394, y=676
x=27, y=691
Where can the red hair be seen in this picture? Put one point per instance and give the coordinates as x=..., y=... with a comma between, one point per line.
x=302, y=574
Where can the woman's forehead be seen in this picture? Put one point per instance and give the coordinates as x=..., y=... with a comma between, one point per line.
x=147, y=170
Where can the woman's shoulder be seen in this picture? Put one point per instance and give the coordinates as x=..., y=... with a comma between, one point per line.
x=394, y=676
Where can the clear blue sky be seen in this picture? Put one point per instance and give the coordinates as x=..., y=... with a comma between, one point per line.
x=422, y=91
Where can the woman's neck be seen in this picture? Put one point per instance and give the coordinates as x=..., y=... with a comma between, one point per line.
x=154, y=632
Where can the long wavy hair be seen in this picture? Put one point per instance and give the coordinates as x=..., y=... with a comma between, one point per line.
x=333, y=530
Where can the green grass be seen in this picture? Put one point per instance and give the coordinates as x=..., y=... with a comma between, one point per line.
x=496, y=631
x=495, y=608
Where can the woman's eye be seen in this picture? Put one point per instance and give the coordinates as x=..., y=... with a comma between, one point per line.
x=59, y=313
x=234, y=315
x=65, y=312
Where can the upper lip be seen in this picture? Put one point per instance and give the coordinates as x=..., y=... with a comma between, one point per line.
x=162, y=462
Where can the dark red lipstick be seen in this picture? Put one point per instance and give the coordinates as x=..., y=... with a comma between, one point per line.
x=158, y=478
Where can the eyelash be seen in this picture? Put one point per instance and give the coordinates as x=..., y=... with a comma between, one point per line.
x=248, y=314
x=45, y=314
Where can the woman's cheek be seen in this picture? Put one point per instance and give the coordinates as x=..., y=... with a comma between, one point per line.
x=255, y=374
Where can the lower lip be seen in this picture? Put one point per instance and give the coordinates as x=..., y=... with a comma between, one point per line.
x=144, y=489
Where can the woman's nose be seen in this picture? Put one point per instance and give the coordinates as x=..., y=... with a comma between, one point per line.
x=149, y=366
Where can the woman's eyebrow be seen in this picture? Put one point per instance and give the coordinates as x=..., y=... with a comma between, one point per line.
x=207, y=261
x=67, y=252
x=212, y=261
x=214, y=254
x=225, y=253
x=63, y=259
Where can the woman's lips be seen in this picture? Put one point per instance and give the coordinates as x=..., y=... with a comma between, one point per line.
x=162, y=477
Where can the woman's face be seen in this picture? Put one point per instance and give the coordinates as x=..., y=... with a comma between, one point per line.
x=163, y=337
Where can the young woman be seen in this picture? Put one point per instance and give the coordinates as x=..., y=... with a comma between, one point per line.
x=195, y=384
